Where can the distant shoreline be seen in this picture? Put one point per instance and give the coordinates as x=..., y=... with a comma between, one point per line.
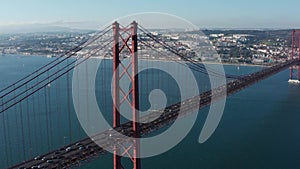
x=213, y=62
x=162, y=60
x=239, y=64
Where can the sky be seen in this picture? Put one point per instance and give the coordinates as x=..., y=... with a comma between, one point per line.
x=91, y=14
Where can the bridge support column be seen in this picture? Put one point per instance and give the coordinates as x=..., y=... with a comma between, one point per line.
x=120, y=71
x=116, y=93
x=293, y=53
x=295, y=75
x=299, y=55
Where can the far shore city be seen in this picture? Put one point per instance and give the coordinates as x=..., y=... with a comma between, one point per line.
x=252, y=47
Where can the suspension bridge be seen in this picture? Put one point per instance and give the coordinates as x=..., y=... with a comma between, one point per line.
x=40, y=104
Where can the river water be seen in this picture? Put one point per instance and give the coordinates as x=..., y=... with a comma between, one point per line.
x=259, y=128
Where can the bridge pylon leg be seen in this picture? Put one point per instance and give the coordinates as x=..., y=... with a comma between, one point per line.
x=294, y=74
x=292, y=54
x=120, y=97
x=299, y=54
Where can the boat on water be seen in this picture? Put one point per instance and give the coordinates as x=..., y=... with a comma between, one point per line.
x=294, y=81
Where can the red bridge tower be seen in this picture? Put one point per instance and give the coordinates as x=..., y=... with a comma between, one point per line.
x=294, y=75
x=130, y=69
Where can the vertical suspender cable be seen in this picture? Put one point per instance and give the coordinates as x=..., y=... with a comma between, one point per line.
x=5, y=136
x=170, y=68
x=69, y=108
x=35, y=126
x=49, y=112
x=104, y=80
x=17, y=127
x=47, y=120
x=8, y=138
x=58, y=100
x=78, y=102
x=28, y=125
x=180, y=79
x=87, y=96
x=102, y=88
x=152, y=74
x=22, y=130
x=40, y=119
x=147, y=76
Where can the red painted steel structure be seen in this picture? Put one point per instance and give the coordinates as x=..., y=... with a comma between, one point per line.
x=292, y=56
x=130, y=70
x=298, y=53
x=295, y=35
